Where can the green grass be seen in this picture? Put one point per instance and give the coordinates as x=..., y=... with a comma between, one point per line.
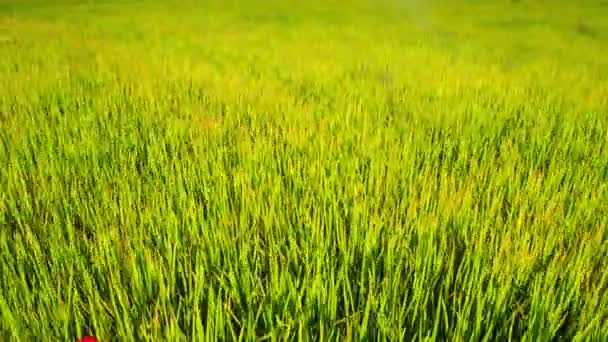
x=304, y=170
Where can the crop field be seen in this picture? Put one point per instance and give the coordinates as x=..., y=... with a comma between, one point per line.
x=327, y=170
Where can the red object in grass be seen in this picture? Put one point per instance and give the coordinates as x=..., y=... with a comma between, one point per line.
x=88, y=339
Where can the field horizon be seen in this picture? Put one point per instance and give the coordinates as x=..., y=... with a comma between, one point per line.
x=288, y=170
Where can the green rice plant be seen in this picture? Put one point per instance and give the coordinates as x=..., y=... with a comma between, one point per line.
x=267, y=170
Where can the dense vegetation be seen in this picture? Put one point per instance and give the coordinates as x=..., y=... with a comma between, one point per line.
x=308, y=170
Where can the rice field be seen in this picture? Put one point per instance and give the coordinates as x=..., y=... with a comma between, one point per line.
x=324, y=170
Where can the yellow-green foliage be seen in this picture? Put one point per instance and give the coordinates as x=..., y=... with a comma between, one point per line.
x=309, y=170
